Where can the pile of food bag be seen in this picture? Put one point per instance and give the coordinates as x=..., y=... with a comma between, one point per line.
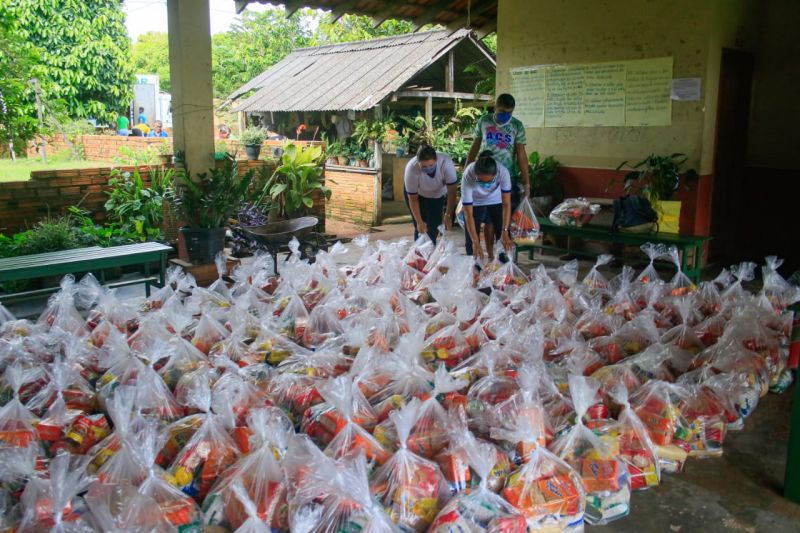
x=405, y=392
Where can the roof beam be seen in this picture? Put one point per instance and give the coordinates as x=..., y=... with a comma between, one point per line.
x=341, y=9
x=474, y=12
x=427, y=14
x=292, y=6
x=442, y=94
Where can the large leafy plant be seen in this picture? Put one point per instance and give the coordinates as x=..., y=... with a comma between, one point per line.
x=373, y=130
x=135, y=206
x=291, y=187
x=657, y=177
x=543, y=175
x=214, y=197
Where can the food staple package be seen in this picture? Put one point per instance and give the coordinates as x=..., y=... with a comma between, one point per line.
x=403, y=392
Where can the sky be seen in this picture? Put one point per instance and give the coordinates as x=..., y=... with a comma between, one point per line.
x=142, y=16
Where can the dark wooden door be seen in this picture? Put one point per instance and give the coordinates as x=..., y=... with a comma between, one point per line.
x=733, y=111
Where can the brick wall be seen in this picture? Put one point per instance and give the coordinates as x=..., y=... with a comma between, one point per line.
x=24, y=203
x=106, y=147
x=355, y=196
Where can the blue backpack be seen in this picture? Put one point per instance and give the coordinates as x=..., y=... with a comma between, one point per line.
x=634, y=214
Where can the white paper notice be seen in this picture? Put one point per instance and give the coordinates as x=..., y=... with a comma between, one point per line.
x=686, y=89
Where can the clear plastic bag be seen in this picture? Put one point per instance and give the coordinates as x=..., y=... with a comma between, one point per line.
x=61, y=313
x=604, y=475
x=524, y=226
x=16, y=421
x=653, y=252
x=658, y=406
x=573, y=212
x=479, y=509
x=411, y=489
x=635, y=447
x=680, y=284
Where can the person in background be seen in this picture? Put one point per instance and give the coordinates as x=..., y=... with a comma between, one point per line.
x=504, y=136
x=157, y=130
x=486, y=197
x=429, y=176
x=142, y=118
x=122, y=125
x=223, y=131
x=140, y=130
x=273, y=135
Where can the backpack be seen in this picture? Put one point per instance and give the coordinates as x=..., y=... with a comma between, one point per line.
x=634, y=214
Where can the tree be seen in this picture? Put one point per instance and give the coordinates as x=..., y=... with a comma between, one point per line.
x=150, y=55
x=18, y=64
x=84, y=51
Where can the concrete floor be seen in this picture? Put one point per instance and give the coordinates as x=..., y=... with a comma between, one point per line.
x=741, y=491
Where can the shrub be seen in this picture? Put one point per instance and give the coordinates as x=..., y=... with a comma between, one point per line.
x=51, y=234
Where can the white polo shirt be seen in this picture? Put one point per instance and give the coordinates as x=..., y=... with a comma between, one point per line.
x=474, y=194
x=419, y=182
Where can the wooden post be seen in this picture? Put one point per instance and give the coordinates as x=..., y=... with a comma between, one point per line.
x=429, y=112
x=38, y=90
x=450, y=77
x=242, y=122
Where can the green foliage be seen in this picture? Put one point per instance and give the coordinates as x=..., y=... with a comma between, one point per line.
x=137, y=209
x=18, y=63
x=214, y=197
x=290, y=188
x=51, y=234
x=83, y=49
x=130, y=157
x=657, y=177
x=91, y=234
x=150, y=55
x=543, y=175
x=373, y=130
x=253, y=137
x=335, y=149
x=451, y=135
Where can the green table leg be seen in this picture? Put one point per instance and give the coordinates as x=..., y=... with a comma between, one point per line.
x=791, y=482
x=147, y=282
x=163, y=274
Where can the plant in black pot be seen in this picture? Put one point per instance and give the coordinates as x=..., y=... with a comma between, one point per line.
x=207, y=203
x=544, y=187
x=252, y=139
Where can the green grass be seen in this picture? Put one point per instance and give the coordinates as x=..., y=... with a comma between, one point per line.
x=21, y=170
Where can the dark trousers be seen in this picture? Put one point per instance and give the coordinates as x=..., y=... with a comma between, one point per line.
x=485, y=214
x=431, y=210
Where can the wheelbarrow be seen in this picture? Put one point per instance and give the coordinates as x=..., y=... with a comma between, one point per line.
x=274, y=237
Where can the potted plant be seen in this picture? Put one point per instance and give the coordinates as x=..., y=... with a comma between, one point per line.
x=252, y=139
x=657, y=177
x=362, y=158
x=291, y=187
x=334, y=151
x=402, y=145
x=543, y=181
x=206, y=204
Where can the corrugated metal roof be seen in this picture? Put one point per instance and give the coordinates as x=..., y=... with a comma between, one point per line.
x=356, y=75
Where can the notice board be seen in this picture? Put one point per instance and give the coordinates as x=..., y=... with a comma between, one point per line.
x=615, y=93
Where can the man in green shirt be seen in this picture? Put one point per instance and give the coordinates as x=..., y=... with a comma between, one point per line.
x=122, y=125
x=504, y=136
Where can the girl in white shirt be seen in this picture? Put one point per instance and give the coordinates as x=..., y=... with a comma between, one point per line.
x=429, y=177
x=486, y=197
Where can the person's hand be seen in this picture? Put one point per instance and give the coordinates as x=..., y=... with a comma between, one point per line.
x=477, y=252
x=422, y=228
x=448, y=222
x=508, y=243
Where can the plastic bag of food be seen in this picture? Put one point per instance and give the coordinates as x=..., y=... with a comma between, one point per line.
x=51, y=502
x=291, y=317
x=258, y=476
x=16, y=421
x=208, y=333
x=499, y=276
x=706, y=422
x=573, y=212
x=524, y=226
x=64, y=380
x=61, y=312
x=683, y=336
x=658, y=406
x=179, y=357
x=604, y=475
x=653, y=252
x=411, y=488
x=635, y=447
x=417, y=256
x=680, y=284
x=448, y=346
x=479, y=509
x=547, y=491
x=324, y=324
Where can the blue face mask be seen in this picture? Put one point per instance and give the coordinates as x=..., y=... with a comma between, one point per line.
x=486, y=185
x=430, y=171
x=503, y=117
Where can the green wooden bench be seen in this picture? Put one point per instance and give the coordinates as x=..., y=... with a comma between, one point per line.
x=688, y=245
x=92, y=259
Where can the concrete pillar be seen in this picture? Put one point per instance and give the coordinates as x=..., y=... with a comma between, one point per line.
x=190, y=76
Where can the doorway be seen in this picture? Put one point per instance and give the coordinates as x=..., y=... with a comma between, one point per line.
x=730, y=155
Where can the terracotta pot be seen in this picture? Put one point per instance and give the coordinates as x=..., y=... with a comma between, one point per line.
x=342, y=160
